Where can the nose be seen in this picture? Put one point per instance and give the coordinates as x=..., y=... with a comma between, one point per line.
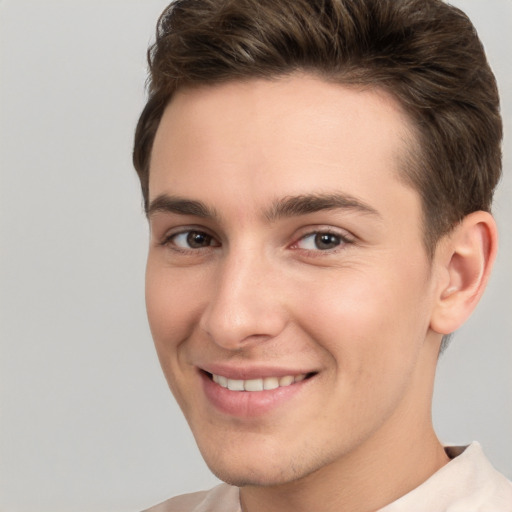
x=245, y=306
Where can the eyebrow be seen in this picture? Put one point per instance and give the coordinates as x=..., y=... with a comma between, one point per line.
x=181, y=206
x=290, y=206
x=310, y=203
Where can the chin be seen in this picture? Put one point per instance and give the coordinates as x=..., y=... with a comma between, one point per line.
x=248, y=476
x=259, y=468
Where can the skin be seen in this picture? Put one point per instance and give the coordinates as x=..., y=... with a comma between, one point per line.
x=363, y=313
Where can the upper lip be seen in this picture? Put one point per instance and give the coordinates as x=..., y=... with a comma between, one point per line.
x=251, y=372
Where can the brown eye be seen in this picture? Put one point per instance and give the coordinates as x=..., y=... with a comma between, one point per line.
x=324, y=241
x=321, y=241
x=196, y=239
x=192, y=240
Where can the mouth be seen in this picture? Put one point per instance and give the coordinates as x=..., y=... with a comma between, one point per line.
x=253, y=393
x=258, y=384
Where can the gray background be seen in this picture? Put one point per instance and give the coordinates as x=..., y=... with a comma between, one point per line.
x=87, y=422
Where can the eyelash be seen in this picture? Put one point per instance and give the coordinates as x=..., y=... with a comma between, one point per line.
x=169, y=240
x=342, y=240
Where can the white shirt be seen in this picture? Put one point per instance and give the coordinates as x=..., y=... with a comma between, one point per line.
x=468, y=483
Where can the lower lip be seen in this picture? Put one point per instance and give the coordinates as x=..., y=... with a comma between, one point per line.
x=249, y=403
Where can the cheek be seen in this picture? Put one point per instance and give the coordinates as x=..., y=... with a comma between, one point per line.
x=172, y=303
x=367, y=318
x=365, y=328
x=171, y=313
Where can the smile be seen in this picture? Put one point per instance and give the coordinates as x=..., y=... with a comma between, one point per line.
x=257, y=394
x=263, y=384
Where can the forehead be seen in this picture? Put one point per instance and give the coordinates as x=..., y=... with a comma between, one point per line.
x=287, y=136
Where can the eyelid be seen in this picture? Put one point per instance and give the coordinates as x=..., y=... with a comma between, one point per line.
x=346, y=238
x=166, y=239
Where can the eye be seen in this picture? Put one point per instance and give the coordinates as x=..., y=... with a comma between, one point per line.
x=320, y=241
x=192, y=239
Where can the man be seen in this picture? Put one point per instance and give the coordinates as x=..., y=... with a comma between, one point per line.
x=318, y=178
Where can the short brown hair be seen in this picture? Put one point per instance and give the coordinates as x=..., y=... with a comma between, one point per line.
x=426, y=53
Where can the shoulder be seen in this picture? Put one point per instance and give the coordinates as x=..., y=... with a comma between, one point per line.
x=467, y=483
x=222, y=498
x=484, y=488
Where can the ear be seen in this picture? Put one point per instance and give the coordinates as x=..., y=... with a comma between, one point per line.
x=463, y=261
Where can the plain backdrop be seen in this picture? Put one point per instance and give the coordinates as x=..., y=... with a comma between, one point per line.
x=87, y=422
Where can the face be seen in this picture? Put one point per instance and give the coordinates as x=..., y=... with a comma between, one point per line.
x=288, y=289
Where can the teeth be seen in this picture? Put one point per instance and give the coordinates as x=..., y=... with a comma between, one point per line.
x=253, y=385
x=257, y=384
x=270, y=383
x=235, y=385
x=286, y=381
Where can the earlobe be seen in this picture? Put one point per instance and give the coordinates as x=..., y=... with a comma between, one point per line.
x=464, y=260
